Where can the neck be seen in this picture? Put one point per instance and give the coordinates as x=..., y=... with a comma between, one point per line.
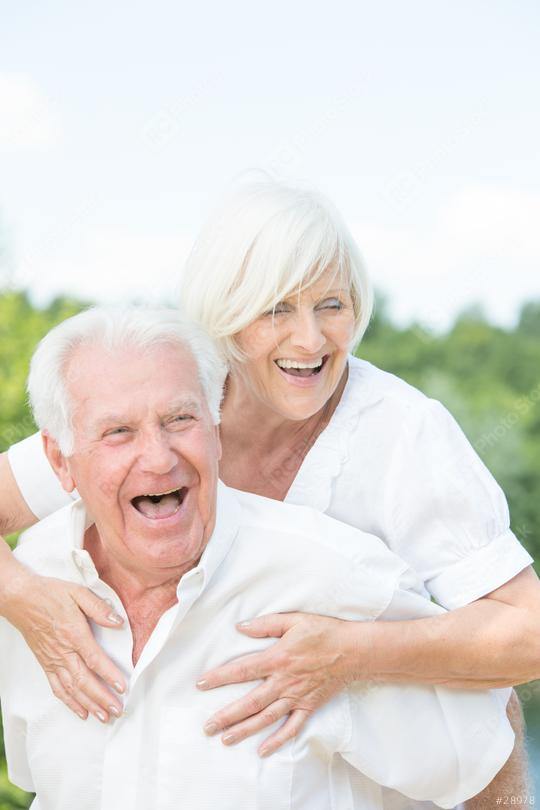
x=262, y=429
x=145, y=596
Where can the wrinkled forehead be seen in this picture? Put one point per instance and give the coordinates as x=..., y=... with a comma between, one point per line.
x=132, y=381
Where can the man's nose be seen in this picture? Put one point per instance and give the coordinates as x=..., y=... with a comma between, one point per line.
x=307, y=334
x=157, y=454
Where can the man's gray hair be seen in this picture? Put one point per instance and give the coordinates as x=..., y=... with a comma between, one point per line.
x=109, y=329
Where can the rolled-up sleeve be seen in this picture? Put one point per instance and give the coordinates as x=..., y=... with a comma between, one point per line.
x=446, y=514
x=35, y=478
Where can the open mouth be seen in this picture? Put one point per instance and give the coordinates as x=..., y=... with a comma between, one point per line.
x=295, y=368
x=160, y=506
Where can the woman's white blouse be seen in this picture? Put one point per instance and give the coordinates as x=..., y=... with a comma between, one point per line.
x=391, y=462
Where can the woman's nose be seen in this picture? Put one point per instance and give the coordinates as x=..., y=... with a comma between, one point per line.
x=307, y=334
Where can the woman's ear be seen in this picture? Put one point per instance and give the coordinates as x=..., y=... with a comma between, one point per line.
x=58, y=462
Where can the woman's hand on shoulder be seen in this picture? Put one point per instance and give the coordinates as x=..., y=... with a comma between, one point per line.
x=52, y=615
x=314, y=659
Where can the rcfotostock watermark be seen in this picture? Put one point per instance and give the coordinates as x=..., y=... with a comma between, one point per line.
x=167, y=124
x=280, y=162
x=407, y=185
x=17, y=432
x=520, y=409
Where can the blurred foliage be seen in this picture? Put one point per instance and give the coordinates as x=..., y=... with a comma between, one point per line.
x=21, y=327
x=488, y=377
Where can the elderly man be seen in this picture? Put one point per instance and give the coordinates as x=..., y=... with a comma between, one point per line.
x=128, y=404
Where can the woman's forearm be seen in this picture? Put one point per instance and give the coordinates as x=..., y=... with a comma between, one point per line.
x=52, y=617
x=15, y=514
x=486, y=644
x=12, y=575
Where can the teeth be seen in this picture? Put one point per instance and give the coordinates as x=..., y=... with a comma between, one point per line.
x=159, y=494
x=296, y=364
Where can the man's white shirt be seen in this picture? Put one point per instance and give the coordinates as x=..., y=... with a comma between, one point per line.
x=362, y=750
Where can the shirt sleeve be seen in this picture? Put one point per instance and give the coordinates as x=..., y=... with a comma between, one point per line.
x=35, y=477
x=429, y=743
x=447, y=516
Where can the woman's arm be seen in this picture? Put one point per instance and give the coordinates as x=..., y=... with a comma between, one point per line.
x=492, y=642
x=15, y=514
x=52, y=617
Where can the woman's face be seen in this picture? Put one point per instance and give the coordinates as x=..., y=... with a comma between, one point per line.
x=297, y=355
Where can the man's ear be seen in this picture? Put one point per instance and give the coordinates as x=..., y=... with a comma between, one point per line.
x=58, y=462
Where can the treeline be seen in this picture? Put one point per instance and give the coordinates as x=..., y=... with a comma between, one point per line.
x=488, y=377
x=22, y=326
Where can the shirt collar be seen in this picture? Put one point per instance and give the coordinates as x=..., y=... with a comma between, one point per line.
x=225, y=531
x=80, y=521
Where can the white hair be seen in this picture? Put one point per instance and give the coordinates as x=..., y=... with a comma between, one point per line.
x=265, y=242
x=109, y=329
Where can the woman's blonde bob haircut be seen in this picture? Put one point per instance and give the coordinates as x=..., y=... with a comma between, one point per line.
x=264, y=243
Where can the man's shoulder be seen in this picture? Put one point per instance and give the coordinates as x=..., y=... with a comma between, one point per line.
x=259, y=512
x=310, y=530
x=340, y=570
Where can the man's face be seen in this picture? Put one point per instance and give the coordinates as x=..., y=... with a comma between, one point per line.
x=146, y=454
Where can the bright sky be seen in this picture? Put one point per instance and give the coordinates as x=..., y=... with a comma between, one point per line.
x=121, y=123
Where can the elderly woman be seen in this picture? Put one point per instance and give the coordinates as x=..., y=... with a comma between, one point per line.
x=277, y=280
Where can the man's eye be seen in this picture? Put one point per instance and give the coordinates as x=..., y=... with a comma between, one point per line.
x=116, y=431
x=182, y=417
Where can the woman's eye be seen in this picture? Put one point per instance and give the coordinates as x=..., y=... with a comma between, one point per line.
x=279, y=309
x=331, y=303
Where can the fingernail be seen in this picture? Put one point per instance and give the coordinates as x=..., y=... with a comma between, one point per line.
x=115, y=618
x=210, y=728
x=101, y=717
x=115, y=710
x=265, y=752
x=202, y=684
x=228, y=739
x=82, y=715
x=118, y=686
x=244, y=624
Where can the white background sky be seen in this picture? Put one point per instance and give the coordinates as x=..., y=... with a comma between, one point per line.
x=121, y=123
